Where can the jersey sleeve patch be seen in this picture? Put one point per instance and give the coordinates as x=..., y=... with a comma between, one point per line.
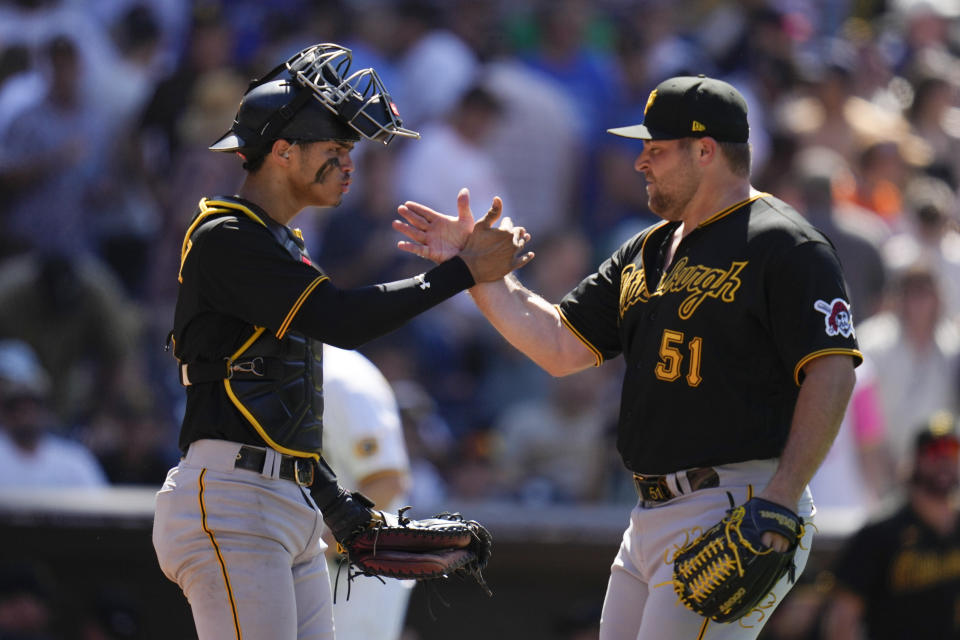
x=837, y=316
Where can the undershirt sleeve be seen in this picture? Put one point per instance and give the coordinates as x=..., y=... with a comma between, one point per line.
x=248, y=275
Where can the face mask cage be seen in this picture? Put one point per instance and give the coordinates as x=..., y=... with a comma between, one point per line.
x=320, y=65
x=360, y=99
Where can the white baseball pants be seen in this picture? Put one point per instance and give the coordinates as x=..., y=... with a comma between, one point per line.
x=641, y=604
x=244, y=547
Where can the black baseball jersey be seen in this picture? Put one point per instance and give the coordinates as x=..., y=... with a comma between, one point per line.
x=908, y=575
x=715, y=346
x=247, y=277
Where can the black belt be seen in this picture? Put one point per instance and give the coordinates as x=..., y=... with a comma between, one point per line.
x=656, y=488
x=299, y=470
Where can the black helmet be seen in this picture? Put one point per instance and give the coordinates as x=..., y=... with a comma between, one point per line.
x=314, y=100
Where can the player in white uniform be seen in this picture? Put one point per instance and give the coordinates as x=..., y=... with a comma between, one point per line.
x=363, y=443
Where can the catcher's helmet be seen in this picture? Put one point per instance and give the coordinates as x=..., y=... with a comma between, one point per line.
x=315, y=100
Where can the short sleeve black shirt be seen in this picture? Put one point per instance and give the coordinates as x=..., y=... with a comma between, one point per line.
x=715, y=346
x=908, y=576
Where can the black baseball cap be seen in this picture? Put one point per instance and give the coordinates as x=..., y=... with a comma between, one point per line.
x=692, y=107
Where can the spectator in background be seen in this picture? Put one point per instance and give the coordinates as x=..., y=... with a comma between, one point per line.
x=554, y=449
x=897, y=578
x=429, y=439
x=131, y=444
x=27, y=602
x=21, y=84
x=574, y=49
x=858, y=471
x=112, y=614
x=930, y=234
x=51, y=153
x=534, y=146
x=192, y=169
x=435, y=66
x=30, y=454
x=914, y=351
x=851, y=230
x=73, y=313
x=589, y=75
x=451, y=155
x=881, y=171
x=209, y=48
x=935, y=96
x=122, y=213
x=818, y=113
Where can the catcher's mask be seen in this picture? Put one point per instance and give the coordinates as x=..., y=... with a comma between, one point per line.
x=310, y=97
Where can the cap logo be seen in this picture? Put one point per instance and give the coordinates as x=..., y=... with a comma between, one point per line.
x=698, y=126
x=838, y=319
x=366, y=447
x=653, y=96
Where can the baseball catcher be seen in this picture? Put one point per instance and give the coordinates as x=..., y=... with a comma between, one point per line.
x=235, y=526
x=394, y=546
x=726, y=572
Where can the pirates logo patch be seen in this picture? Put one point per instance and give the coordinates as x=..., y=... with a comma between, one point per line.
x=838, y=318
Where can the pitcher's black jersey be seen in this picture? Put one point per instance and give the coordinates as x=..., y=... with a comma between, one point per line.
x=714, y=346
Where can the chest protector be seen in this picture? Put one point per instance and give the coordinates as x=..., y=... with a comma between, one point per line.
x=276, y=384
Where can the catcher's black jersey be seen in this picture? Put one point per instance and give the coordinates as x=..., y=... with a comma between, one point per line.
x=714, y=346
x=246, y=279
x=908, y=575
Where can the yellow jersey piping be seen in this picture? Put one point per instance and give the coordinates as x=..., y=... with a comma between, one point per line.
x=566, y=323
x=731, y=209
x=220, y=560
x=249, y=416
x=822, y=352
x=234, y=205
x=209, y=208
x=296, y=305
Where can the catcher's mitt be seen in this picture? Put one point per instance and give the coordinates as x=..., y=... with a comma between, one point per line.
x=383, y=544
x=727, y=571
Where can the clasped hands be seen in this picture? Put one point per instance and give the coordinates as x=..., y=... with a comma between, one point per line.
x=489, y=252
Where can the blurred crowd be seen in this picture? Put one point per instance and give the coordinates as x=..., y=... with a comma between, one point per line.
x=107, y=108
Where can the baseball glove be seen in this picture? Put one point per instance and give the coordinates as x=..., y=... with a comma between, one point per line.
x=726, y=572
x=382, y=544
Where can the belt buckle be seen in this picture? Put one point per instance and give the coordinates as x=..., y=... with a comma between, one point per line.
x=304, y=479
x=652, y=488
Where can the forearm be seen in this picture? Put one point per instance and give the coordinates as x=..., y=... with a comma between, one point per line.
x=819, y=410
x=532, y=325
x=352, y=317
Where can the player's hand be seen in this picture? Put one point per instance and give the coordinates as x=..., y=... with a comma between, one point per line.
x=493, y=252
x=771, y=539
x=434, y=235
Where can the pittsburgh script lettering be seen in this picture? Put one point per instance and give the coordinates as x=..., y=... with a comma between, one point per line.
x=700, y=281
